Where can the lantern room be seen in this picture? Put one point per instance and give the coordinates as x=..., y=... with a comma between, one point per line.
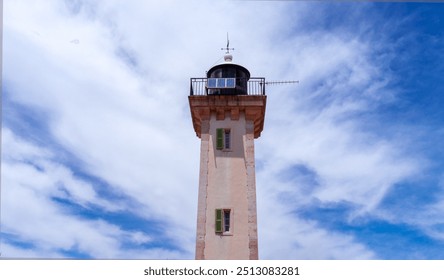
x=228, y=78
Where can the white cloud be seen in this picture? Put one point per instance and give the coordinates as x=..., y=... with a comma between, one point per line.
x=282, y=235
x=11, y=251
x=29, y=186
x=318, y=123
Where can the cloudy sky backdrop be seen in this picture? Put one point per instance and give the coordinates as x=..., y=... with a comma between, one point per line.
x=100, y=160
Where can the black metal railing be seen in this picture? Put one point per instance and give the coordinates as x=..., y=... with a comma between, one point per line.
x=199, y=86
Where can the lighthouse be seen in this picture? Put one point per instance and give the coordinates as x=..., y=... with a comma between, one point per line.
x=227, y=110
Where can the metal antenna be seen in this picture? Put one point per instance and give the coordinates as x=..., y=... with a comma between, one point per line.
x=227, y=49
x=281, y=82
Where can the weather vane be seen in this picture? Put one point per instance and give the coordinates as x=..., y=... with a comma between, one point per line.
x=228, y=49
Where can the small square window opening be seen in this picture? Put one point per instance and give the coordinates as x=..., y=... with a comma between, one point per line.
x=227, y=144
x=223, y=221
x=223, y=139
x=227, y=220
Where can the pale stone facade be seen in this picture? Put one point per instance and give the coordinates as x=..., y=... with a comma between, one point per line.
x=227, y=175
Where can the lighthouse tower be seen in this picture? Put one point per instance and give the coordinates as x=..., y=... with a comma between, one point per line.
x=227, y=110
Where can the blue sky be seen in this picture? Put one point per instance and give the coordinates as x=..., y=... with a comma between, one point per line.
x=100, y=160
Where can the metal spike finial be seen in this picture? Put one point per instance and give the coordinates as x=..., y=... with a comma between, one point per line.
x=228, y=49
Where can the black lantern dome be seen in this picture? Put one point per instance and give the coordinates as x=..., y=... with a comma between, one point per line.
x=228, y=78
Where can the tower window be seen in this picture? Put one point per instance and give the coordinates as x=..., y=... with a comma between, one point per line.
x=223, y=220
x=226, y=220
x=223, y=139
x=227, y=136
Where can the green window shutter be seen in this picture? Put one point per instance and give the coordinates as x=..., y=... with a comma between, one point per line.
x=218, y=220
x=219, y=138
